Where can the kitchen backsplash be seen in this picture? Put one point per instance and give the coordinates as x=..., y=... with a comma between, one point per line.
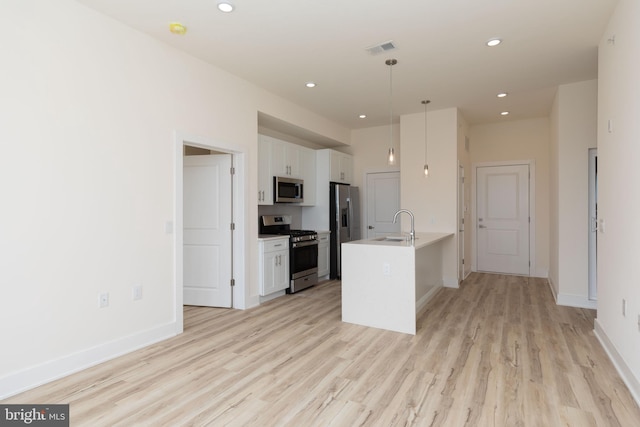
x=283, y=209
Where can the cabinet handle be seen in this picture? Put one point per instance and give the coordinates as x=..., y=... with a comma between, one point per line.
x=279, y=244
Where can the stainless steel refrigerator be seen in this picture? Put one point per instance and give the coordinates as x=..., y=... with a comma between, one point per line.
x=344, y=222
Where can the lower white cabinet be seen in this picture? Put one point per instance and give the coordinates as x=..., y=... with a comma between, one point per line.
x=273, y=265
x=323, y=253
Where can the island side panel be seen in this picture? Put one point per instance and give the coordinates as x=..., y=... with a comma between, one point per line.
x=428, y=273
x=376, y=295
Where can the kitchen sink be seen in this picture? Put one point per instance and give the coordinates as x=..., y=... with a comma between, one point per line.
x=392, y=239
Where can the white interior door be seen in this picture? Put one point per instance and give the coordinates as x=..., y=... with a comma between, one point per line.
x=207, y=230
x=383, y=201
x=502, y=199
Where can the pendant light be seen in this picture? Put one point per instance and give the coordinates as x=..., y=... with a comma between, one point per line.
x=426, y=166
x=391, y=158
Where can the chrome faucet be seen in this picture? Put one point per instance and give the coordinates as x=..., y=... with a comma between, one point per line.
x=412, y=233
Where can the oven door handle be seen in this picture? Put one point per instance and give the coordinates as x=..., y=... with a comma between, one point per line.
x=303, y=244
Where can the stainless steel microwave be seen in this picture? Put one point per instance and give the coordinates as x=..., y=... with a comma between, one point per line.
x=288, y=190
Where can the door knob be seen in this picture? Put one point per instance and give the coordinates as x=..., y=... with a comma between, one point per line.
x=371, y=227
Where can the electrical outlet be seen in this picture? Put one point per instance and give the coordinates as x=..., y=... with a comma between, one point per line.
x=137, y=292
x=386, y=269
x=104, y=299
x=624, y=307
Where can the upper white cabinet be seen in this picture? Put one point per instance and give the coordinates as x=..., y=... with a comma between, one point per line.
x=341, y=166
x=285, y=158
x=265, y=177
x=331, y=166
x=281, y=158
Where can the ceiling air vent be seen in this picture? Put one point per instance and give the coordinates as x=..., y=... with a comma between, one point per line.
x=380, y=48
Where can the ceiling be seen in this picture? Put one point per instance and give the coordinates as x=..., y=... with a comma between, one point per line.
x=440, y=47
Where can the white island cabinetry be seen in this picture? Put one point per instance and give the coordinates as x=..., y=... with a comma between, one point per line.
x=386, y=283
x=273, y=264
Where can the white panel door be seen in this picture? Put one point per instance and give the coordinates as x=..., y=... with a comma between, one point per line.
x=207, y=230
x=503, y=219
x=383, y=201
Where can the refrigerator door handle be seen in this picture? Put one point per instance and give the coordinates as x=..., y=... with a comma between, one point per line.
x=348, y=217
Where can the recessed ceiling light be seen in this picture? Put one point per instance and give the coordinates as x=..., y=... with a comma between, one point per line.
x=225, y=6
x=310, y=84
x=494, y=42
x=363, y=116
x=504, y=113
x=502, y=94
x=177, y=28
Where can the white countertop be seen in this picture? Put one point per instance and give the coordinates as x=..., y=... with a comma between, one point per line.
x=265, y=237
x=422, y=239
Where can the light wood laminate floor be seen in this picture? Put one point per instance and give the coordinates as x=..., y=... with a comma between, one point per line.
x=496, y=352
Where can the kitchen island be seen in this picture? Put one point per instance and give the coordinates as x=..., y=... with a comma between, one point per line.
x=386, y=281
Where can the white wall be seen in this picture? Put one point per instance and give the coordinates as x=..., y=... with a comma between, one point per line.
x=369, y=147
x=573, y=132
x=521, y=140
x=619, y=190
x=88, y=114
x=432, y=199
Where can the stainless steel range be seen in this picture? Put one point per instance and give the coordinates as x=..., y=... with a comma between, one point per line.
x=303, y=250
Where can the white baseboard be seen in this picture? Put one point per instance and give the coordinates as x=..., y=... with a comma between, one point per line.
x=35, y=376
x=422, y=302
x=626, y=374
x=541, y=272
x=450, y=282
x=569, y=300
x=576, y=301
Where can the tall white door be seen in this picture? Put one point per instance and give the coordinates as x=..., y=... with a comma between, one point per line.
x=502, y=197
x=207, y=230
x=383, y=201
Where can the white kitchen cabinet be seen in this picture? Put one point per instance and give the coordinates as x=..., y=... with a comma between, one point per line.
x=273, y=264
x=341, y=166
x=285, y=158
x=331, y=166
x=265, y=177
x=281, y=158
x=323, y=253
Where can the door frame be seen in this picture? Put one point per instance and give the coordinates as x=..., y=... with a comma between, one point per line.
x=461, y=225
x=238, y=216
x=593, y=226
x=532, y=211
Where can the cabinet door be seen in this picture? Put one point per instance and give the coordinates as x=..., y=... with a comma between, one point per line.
x=265, y=177
x=341, y=167
x=281, y=276
x=323, y=254
x=269, y=273
x=279, y=162
x=346, y=168
x=293, y=153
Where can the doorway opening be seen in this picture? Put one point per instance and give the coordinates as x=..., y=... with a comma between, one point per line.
x=504, y=212
x=196, y=160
